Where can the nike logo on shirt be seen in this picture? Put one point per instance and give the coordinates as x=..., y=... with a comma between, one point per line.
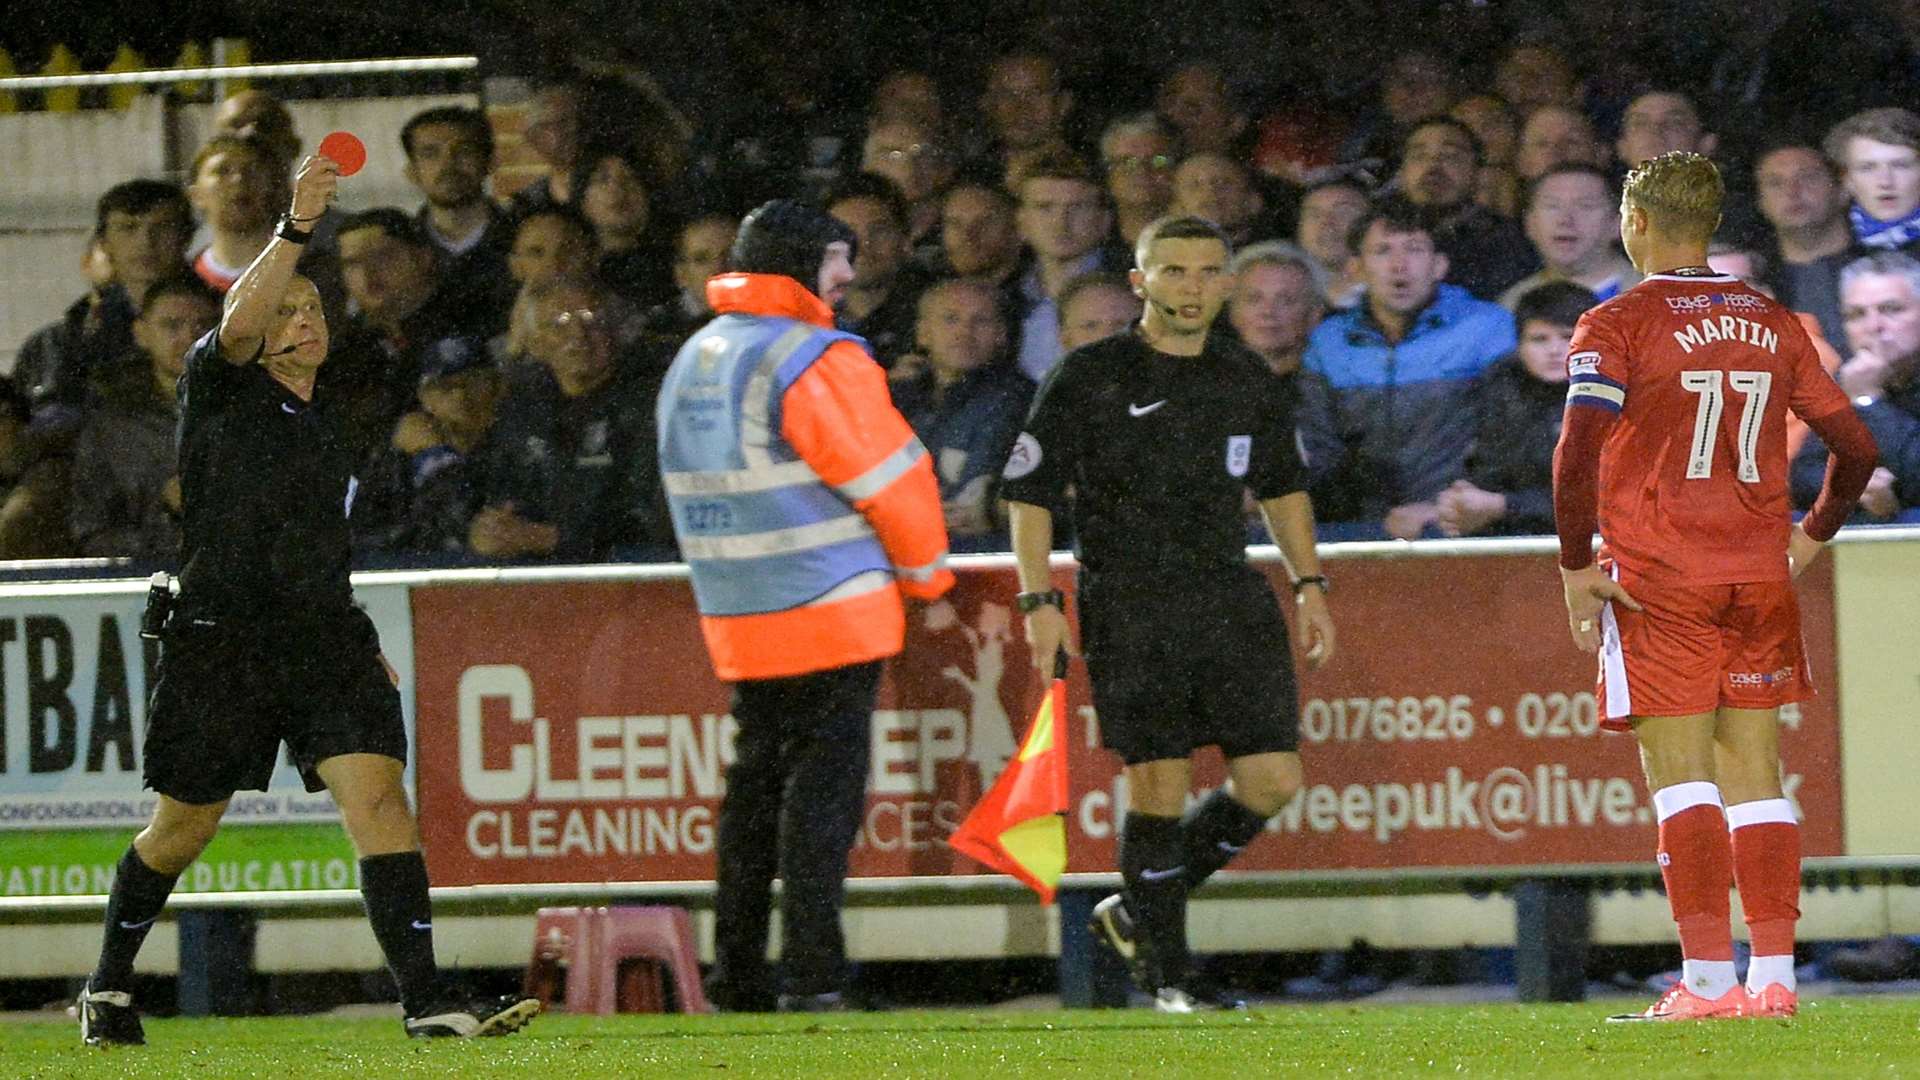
x=1162, y=875
x=288, y=409
x=124, y=925
x=1142, y=410
x=418, y=925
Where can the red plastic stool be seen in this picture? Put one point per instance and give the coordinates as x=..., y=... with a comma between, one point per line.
x=660, y=938
x=563, y=940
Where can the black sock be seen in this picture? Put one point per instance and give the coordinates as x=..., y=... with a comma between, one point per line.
x=395, y=890
x=1156, y=893
x=1213, y=832
x=139, y=892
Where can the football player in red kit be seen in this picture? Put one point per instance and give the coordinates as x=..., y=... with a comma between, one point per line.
x=1674, y=445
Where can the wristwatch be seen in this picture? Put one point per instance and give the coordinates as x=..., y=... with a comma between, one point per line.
x=1029, y=602
x=1312, y=579
x=284, y=230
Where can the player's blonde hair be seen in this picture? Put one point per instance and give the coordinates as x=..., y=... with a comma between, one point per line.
x=1680, y=191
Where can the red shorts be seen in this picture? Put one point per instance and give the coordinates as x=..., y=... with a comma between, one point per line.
x=1697, y=648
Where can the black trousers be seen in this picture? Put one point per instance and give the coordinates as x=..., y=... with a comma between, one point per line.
x=795, y=793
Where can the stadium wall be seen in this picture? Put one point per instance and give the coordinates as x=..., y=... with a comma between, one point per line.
x=569, y=737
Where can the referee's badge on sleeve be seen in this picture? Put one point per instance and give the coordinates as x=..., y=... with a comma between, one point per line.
x=1023, y=458
x=1239, y=454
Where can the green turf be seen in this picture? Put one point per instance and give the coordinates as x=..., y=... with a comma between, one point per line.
x=1853, y=1037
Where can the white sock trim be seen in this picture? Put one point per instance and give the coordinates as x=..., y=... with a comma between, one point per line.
x=1709, y=978
x=1761, y=812
x=1765, y=970
x=1669, y=801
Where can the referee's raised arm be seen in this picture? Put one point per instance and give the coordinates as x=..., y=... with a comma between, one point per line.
x=254, y=302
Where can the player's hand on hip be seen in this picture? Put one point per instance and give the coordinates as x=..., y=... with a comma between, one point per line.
x=1802, y=550
x=1588, y=590
x=1047, y=636
x=313, y=186
x=1316, y=626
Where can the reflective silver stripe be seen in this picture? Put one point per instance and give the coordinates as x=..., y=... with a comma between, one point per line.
x=740, y=481
x=757, y=400
x=858, y=585
x=891, y=468
x=923, y=573
x=777, y=541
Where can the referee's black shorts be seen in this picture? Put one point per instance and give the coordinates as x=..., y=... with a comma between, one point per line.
x=230, y=693
x=1209, y=665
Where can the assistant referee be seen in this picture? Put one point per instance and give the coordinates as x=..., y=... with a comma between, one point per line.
x=1153, y=438
x=267, y=646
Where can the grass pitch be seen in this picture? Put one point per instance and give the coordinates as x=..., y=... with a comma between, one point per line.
x=1848, y=1037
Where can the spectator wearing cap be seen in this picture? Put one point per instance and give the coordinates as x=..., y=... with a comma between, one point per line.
x=420, y=494
x=967, y=402
x=1573, y=222
x=449, y=152
x=1439, y=169
x=126, y=484
x=1508, y=486
x=569, y=473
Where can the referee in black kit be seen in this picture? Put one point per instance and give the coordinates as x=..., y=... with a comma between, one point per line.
x=265, y=644
x=1159, y=434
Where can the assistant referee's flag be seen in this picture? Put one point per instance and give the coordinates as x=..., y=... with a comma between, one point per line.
x=1019, y=826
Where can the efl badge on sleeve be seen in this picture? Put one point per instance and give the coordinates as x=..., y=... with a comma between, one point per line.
x=1239, y=454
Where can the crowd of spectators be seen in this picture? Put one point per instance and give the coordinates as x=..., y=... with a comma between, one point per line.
x=1413, y=256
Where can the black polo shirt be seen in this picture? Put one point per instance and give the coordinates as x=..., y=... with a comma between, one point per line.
x=1159, y=451
x=265, y=480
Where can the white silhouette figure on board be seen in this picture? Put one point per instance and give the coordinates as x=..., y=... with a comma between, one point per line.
x=990, y=742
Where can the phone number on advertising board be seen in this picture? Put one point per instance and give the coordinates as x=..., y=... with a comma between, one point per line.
x=1440, y=719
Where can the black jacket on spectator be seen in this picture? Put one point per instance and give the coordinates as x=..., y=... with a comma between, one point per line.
x=122, y=460
x=57, y=361
x=420, y=504
x=889, y=328
x=375, y=376
x=643, y=276
x=1512, y=454
x=1894, y=421
x=588, y=465
x=1486, y=253
x=479, y=289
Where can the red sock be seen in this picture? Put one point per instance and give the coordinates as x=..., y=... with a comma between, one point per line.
x=1696, y=860
x=1766, y=864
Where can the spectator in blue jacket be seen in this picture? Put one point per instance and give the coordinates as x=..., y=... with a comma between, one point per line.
x=967, y=402
x=1387, y=390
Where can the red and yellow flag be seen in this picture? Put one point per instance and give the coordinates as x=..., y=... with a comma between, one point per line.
x=1019, y=826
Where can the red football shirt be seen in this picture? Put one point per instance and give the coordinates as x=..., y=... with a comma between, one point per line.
x=1693, y=476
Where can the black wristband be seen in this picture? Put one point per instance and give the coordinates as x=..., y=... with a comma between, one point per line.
x=1029, y=602
x=284, y=230
x=1311, y=579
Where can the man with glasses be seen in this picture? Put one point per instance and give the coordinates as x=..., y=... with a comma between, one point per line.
x=1138, y=153
x=569, y=466
x=910, y=154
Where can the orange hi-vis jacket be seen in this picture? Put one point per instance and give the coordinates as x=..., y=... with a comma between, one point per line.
x=803, y=502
